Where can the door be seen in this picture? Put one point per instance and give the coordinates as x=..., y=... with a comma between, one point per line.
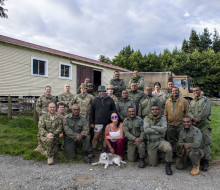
x=82, y=73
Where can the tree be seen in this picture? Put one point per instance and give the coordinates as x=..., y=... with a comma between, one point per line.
x=194, y=41
x=216, y=42
x=105, y=59
x=185, y=46
x=2, y=10
x=205, y=41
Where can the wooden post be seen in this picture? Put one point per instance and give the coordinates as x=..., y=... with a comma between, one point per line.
x=35, y=111
x=9, y=107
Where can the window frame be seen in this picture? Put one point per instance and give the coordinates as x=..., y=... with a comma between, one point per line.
x=32, y=67
x=70, y=71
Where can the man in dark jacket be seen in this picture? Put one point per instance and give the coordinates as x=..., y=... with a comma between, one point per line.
x=119, y=84
x=100, y=112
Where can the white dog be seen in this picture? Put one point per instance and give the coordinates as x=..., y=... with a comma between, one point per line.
x=109, y=159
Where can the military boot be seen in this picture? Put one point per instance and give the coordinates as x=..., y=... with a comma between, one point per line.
x=50, y=161
x=38, y=149
x=92, y=154
x=205, y=165
x=141, y=163
x=195, y=170
x=85, y=157
x=168, y=169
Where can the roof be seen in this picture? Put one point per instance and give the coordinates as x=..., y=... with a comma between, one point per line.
x=57, y=52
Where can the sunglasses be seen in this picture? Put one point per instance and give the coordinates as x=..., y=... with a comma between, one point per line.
x=114, y=117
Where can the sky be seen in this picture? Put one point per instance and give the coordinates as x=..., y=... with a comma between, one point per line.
x=90, y=28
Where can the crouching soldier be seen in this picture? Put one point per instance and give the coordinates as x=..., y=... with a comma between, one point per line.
x=190, y=142
x=76, y=130
x=134, y=131
x=50, y=126
x=155, y=127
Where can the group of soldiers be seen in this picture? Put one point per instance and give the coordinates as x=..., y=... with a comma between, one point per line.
x=154, y=124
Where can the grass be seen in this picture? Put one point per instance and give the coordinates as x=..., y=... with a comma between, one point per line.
x=19, y=137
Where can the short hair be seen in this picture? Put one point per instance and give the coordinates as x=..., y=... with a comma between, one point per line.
x=176, y=87
x=154, y=105
x=129, y=107
x=75, y=105
x=157, y=83
x=47, y=87
x=187, y=117
x=197, y=87
x=116, y=72
x=51, y=103
x=60, y=104
x=170, y=80
x=124, y=90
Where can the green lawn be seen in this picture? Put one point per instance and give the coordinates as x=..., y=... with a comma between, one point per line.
x=19, y=137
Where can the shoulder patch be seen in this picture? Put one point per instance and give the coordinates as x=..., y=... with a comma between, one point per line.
x=197, y=131
x=142, y=121
x=142, y=78
x=205, y=100
x=165, y=119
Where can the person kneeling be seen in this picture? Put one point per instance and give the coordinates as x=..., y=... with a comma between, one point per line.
x=155, y=127
x=190, y=142
x=76, y=130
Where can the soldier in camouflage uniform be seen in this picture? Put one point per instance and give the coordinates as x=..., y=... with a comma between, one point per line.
x=135, y=95
x=168, y=93
x=123, y=104
x=84, y=100
x=90, y=89
x=110, y=90
x=50, y=126
x=86, y=81
x=118, y=84
x=199, y=111
x=76, y=130
x=65, y=98
x=134, y=131
x=146, y=103
x=44, y=100
x=190, y=143
x=136, y=78
x=155, y=126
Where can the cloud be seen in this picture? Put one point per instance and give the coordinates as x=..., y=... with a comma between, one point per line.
x=90, y=28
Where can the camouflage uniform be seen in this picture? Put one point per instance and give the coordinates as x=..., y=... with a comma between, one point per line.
x=201, y=108
x=139, y=80
x=47, y=125
x=120, y=83
x=84, y=103
x=65, y=99
x=193, y=136
x=145, y=105
x=72, y=128
x=43, y=102
x=122, y=107
x=115, y=99
x=133, y=128
x=155, y=130
x=136, y=96
x=166, y=95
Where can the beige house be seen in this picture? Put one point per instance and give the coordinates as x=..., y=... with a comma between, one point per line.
x=26, y=68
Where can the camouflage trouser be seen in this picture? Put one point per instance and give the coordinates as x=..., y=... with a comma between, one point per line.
x=49, y=145
x=70, y=145
x=163, y=146
x=132, y=151
x=206, y=142
x=190, y=156
x=173, y=133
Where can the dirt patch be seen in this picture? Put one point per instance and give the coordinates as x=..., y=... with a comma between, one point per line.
x=83, y=178
x=215, y=165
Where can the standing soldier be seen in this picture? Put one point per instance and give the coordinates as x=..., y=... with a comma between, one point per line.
x=155, y=126
x=175, y=109
x=199, y=111
x=190, y=143
x=44, y=100
x=90, y=89
x=137, y=79
x=65, y=98
x=168, y=93
x=76, y=130
x=118, y=84
x=86, y=81
x=50, y=126
x=135, y=95
x=123, y=104
x=110, y=91
x=134, y=131
x=146, y=103
x=84, y=100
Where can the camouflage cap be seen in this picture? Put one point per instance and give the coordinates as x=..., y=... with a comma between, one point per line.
x=110, y=87
x=90, y=84
x=83, y=85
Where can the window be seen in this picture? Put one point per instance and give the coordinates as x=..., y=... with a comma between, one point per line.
x=65, y=71
x=39, y=67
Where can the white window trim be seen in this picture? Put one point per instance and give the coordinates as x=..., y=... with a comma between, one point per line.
x=70, y=74
x=46, y=67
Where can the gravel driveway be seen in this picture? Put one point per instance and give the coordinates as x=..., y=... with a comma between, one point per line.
x=16, y=173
